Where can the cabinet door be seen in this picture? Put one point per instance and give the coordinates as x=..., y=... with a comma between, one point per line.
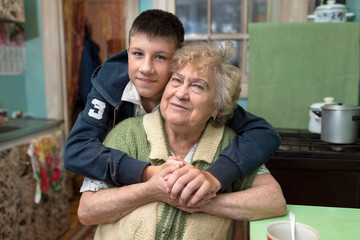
x=319, y=187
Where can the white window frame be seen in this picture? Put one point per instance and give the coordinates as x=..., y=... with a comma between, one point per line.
x=170, y=6
x=277, y=11
x=54, y=61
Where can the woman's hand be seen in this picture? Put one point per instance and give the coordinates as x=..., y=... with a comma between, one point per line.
x=187, y=187
x=193, y=187
x=157, y=184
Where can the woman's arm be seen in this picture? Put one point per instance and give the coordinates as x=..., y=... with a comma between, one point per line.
x=111, y=204
x=263, y=200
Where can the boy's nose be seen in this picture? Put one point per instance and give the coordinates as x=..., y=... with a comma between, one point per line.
x=147, y=66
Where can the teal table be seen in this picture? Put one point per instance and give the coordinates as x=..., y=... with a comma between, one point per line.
x=331, y=223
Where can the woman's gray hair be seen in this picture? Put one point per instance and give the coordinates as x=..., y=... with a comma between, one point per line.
x=213, y=59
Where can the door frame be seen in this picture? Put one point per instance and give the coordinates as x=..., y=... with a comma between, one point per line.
x=55, y=55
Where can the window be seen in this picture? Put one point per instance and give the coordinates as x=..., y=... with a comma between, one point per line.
x=226, y=20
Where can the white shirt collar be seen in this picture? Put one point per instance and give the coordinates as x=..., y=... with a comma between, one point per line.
x=130, y=94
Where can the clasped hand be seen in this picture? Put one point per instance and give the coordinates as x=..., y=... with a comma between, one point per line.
x=184, y=186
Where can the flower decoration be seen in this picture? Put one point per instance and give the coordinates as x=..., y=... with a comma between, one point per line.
x=46, y=157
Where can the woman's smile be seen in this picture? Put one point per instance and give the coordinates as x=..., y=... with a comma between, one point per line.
x=179, y=106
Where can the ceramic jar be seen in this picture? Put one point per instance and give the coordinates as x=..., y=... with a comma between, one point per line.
x=315, y=115
x=331, y=12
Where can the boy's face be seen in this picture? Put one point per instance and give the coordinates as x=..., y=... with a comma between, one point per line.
x=149, y=62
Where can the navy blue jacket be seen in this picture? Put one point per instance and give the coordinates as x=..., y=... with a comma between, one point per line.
x=85, y=154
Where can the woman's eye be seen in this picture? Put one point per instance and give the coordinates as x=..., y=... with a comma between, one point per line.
x=199, y=87
x=176, y=81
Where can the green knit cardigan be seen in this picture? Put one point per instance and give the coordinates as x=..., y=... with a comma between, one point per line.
x=144, y=138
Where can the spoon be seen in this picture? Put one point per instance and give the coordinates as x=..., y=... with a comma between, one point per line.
x=292, y=224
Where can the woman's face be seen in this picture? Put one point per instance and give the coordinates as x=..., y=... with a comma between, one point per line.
x=188, y=99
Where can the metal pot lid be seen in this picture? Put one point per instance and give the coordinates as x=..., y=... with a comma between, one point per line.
x=340, y=106
x=331, y=5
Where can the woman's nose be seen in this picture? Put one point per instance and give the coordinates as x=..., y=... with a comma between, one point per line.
x=182, y=92
x=147, y=65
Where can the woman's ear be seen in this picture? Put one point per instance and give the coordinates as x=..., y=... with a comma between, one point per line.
x=215, y=113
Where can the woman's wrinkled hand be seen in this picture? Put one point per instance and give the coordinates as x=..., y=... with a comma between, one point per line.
x=191, y=186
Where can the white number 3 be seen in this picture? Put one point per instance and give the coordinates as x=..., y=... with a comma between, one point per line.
x=99, y=109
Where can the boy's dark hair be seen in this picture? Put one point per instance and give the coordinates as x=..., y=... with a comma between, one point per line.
x=159, y=23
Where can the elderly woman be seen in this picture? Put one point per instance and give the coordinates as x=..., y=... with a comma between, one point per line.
x=197, y=101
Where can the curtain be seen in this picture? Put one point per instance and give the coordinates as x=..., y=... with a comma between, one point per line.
x=74, y=25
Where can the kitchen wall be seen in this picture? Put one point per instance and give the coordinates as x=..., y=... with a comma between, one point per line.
x=354, y=6
x=26, y=92
x=144, y=5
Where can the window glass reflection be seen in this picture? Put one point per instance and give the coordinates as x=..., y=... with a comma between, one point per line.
x=236, y=57
x=226, y=16
x=257, y=10
x=193, y=15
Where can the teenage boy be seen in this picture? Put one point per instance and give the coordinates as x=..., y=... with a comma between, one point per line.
x=131, y=83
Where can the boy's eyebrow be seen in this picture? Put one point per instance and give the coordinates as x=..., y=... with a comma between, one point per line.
x=161, y=52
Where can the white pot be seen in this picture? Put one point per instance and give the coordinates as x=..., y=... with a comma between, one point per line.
x=331, y=12
x=315, y=115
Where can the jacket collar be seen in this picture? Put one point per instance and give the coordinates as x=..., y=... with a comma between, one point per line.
x=111, y=78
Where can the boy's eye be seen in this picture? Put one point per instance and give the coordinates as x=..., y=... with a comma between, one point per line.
x=160, y=57
x=137, y=53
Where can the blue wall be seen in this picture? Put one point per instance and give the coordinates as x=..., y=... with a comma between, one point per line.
x=27, y=92
x=145, y=5
x=354, y=6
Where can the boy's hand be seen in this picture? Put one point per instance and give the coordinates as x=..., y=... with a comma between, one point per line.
x=194, y=187
x=171, y=165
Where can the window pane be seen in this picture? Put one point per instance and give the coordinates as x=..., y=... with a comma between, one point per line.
x=236, y=57
x=226, y=16
x=257, y=10
x=193, y=15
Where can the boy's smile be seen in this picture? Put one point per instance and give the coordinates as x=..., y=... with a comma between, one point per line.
x=149, y=62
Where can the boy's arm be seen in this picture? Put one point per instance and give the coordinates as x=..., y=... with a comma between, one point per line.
x=85, y=153
x=255, y=143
